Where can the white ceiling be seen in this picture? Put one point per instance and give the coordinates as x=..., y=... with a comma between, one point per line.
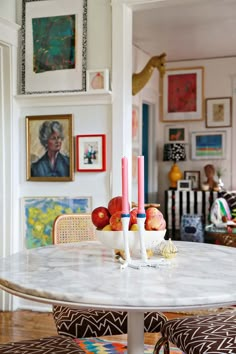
x=187, y=31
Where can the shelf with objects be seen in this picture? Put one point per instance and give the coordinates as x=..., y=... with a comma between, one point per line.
x=64, y=99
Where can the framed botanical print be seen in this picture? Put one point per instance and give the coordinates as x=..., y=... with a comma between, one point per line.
x=49, y=148
x=182, y=95
x=91, y=153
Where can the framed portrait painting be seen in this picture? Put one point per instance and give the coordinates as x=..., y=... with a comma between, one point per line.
x=91, y=153
x=218, y=112
x=54, y=42
x=182, y=95
x=49, y=148
x=210, y=145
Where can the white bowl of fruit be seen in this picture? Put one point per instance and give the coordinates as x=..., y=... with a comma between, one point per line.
x=109, y=229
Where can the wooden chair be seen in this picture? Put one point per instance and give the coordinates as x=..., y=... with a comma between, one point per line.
x=213, y=333
x=69, y=228
x=53, y=345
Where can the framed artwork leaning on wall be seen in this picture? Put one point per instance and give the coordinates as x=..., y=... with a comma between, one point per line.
x=49, y=148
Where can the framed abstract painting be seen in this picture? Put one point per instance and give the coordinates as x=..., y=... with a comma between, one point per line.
x=39, y=214
x=54, y=42
x=182, y=94
x=210, y=145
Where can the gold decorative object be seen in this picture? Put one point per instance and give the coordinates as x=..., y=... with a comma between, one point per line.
x=140, y=79
x=168, y=250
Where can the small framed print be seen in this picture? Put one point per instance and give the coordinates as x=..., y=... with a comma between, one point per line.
x=176, y=134
x=184, y=185
x=218, y=112
x=97, y=80
x=91, y=153
x=194, y=177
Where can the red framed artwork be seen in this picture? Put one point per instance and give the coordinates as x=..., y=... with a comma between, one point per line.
x=182, y=95
x=91, y=153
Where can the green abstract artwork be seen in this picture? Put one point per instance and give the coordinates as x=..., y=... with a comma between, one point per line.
x=53, y=43
x=40, y=213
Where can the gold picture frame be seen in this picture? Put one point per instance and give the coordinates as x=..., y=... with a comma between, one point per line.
x=49, y=148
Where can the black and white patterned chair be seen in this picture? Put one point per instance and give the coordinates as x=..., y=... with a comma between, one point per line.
x=96, y=323
x=209, y=334
x=49, y=345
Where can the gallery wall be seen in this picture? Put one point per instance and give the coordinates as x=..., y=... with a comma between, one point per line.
x=218, y=81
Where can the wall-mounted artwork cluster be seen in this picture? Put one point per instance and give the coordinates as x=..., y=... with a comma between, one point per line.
x=50, y=153
x=182, y=100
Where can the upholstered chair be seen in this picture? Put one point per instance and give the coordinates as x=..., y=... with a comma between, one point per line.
x=213, y=333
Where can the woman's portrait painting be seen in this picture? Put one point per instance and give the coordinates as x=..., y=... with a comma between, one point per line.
x=49, y=148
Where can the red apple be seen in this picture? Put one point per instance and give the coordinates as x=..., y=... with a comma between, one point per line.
x=133, y=216
x=154, y=219
x=115, y=221
x=100, y=217
x=114, y=205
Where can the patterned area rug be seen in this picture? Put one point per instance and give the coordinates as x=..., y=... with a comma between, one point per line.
x=99, y=346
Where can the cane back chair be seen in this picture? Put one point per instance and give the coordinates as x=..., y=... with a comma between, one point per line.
x=69, y=228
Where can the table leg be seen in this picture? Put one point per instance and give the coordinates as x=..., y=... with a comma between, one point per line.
x=135, y=332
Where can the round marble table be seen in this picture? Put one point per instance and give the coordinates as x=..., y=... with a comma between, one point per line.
x=87, y=275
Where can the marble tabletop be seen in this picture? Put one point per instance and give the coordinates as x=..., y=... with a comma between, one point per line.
x=86, y=274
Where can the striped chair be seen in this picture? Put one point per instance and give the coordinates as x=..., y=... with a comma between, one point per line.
x=88, y=322
x=209, y=334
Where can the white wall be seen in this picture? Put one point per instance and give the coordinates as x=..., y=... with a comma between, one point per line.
x=8, y=10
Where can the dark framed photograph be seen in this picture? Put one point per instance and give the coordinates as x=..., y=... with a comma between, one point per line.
x=54, y=42
x=218, y=112
x=184, y=185
x=194, y=177
x=91, y=153
x=49, y=148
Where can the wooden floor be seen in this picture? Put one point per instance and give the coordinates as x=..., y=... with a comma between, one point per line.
x=22, y=325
